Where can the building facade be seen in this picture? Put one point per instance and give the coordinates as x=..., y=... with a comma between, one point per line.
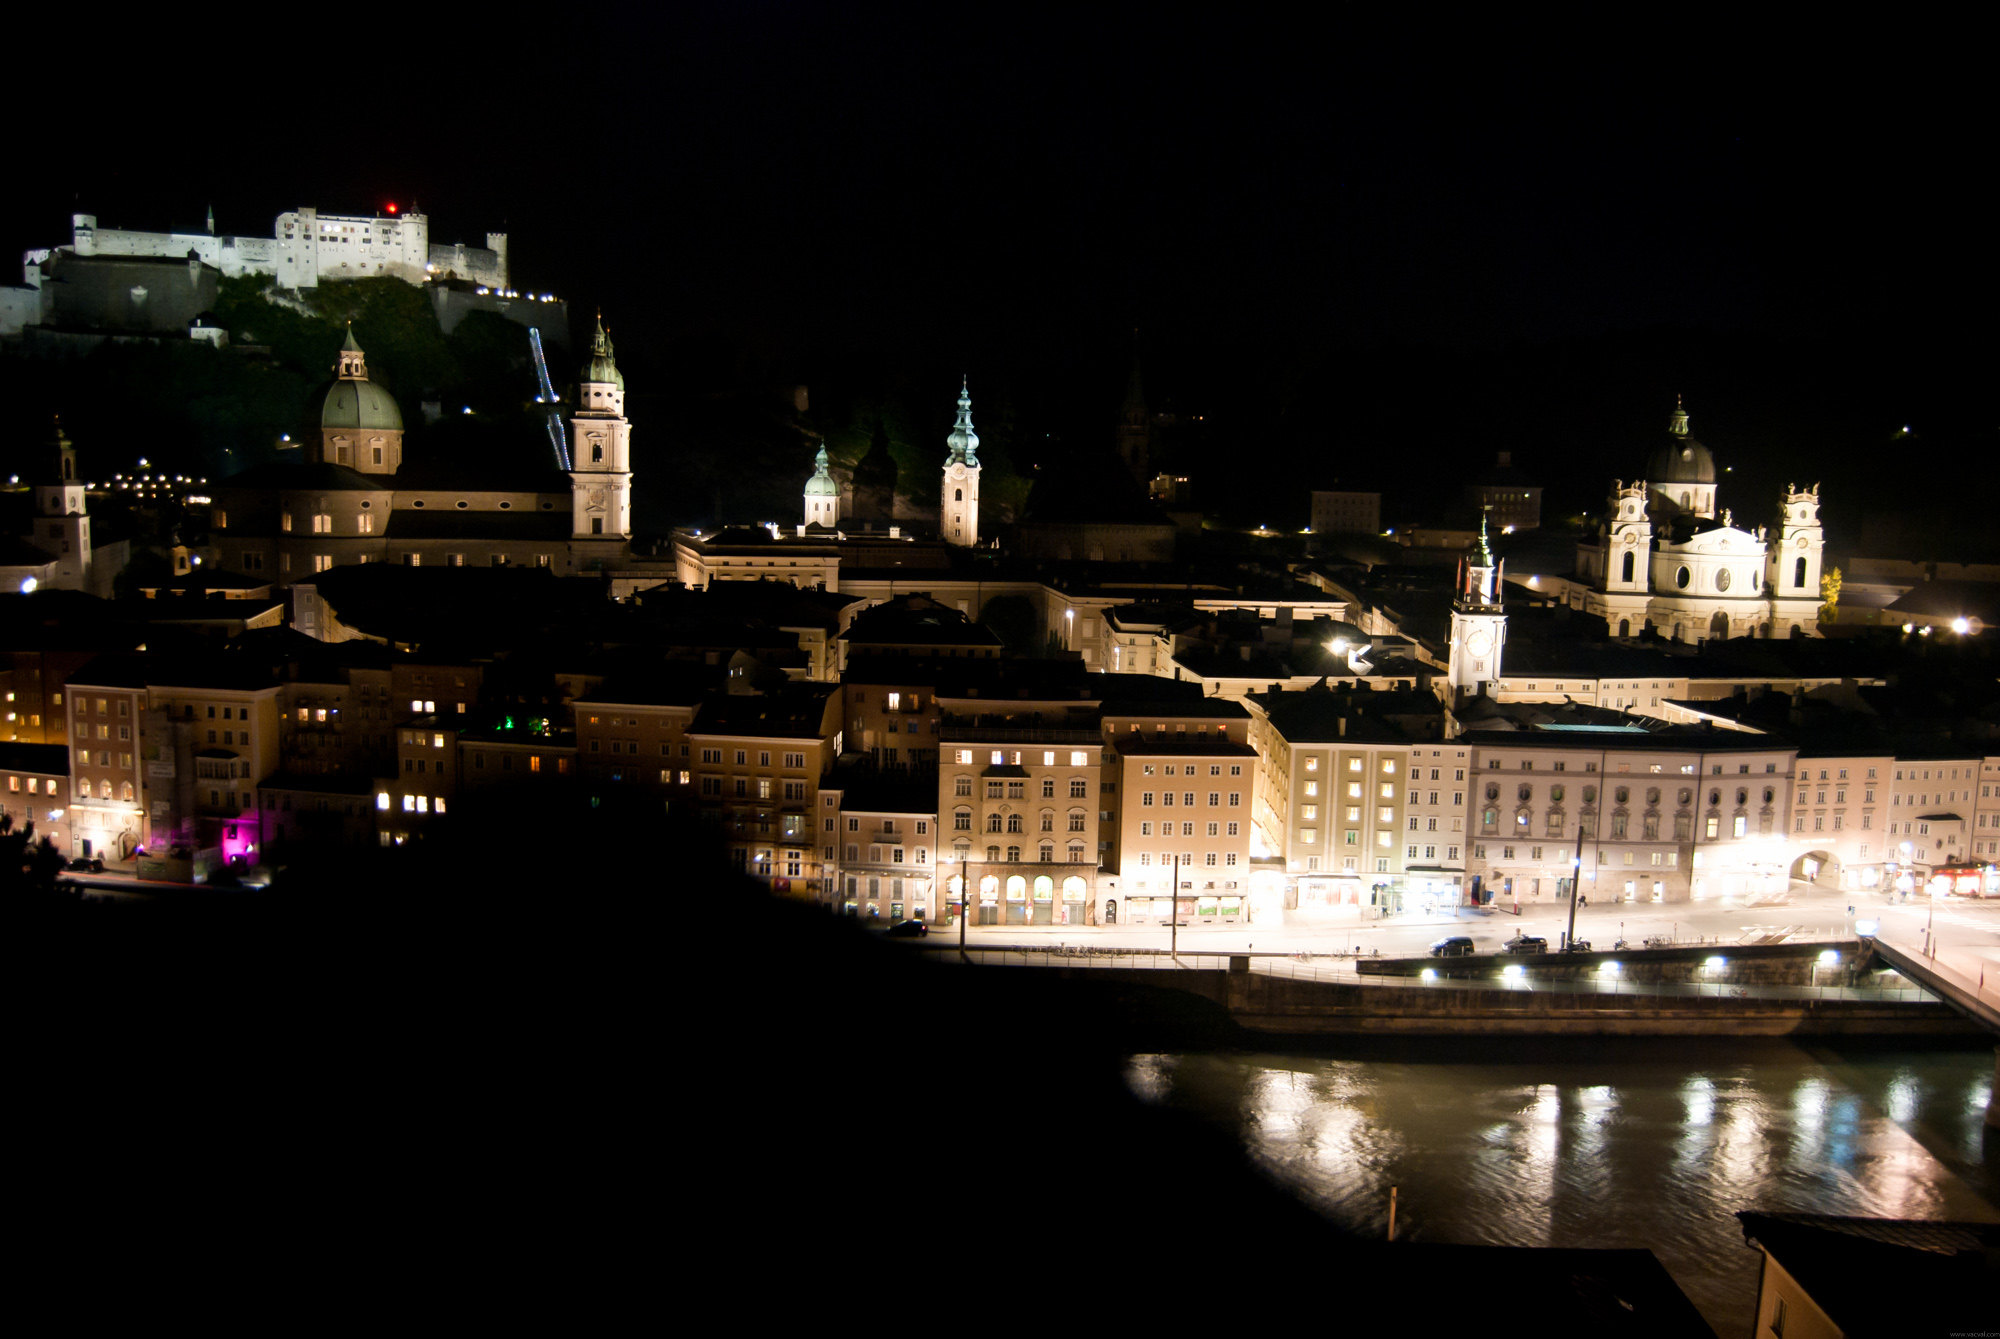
x=1661, y=560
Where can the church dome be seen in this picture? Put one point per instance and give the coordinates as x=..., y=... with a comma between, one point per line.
x=1680, y=459
x=360, y=404
x=822, y=484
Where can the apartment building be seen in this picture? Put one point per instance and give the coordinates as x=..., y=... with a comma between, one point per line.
x=1020, y=805
x=1336, y=797
x=1650, y=815
x=37, y=789
x=885, y=829
x=1933, y=815
x=633, y=730
x=758, y=765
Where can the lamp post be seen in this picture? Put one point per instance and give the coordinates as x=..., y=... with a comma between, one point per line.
x=1575, y=879
x=1174, y=913
x=1069, y=629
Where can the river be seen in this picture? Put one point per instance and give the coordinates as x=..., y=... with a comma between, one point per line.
x=1653, y=1144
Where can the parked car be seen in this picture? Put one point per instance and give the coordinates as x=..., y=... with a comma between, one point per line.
x=1526, y=944
x=85, y=864
x=907, y=930
x=1453, y=946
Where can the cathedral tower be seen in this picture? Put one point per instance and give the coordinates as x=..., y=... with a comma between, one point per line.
x=1478, y=623
x=822, y=495
x=601, y=477
x=958, y=508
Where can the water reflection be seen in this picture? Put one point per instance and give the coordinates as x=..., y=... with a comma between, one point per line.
x=1626, y=1152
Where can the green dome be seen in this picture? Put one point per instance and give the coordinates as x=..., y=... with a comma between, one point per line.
x=360, y=404
x=601, y=368
x=821, y=484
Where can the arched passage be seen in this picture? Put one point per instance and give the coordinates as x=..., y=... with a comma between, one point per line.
x=1718, y=626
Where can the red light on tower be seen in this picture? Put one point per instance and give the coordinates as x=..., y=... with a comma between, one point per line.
x=392, y=206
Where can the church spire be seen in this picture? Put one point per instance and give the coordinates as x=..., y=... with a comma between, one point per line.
x=601, y=369
x=964, y=442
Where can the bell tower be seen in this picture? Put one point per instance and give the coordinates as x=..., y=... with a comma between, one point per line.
x=958, y=506
x=1792, y=563
x=62, y=518
x=1478, y=623
x=601, y=474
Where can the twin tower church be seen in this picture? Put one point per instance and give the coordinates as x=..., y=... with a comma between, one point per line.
x=1661, y=562
x=958, y=503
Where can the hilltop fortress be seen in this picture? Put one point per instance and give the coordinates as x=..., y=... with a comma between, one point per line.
x=305, y=247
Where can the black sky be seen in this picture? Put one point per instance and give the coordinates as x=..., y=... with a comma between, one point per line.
x=792, y=188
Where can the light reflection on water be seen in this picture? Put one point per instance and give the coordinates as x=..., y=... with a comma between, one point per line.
x=1654, y=1152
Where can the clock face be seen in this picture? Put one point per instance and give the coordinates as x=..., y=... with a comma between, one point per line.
x=1479, y=641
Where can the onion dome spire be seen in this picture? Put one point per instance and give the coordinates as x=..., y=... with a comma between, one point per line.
x=964, y=442
x=822, y=484
x=602, y=366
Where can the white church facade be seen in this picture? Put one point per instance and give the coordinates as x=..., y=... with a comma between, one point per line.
x=1663, y=561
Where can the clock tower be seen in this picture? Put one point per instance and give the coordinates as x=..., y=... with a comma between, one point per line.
x=1478, y=623
x=958, y=505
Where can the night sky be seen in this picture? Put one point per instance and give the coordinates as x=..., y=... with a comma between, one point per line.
x=1338, y=244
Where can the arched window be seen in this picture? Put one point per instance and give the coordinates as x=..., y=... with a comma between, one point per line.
x=1624, y=627
x=990, y=885
x=1017, y=888
x=125, y=792
x=1686, y=501
x=104, y=789
x=1048, y=820
x=992, y=824
x=1073, y=889
x=1076, y=817
x=1013, y=822
x=1799, y=573
x=1045, y=887
x=1626, y=566
x=958, y=495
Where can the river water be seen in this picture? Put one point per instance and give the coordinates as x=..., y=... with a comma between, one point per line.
x=1653, y=1144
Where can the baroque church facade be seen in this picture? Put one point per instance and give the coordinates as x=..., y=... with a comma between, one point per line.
x=357, y=500
x=1662, y=560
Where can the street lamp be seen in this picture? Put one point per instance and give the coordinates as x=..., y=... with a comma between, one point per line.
x=1575, y=880
x=1069, y=629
